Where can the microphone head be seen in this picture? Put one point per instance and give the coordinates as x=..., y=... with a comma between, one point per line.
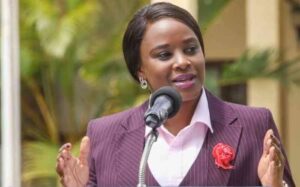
x=172, y=93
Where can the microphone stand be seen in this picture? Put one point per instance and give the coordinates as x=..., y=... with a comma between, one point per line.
x=150, y=140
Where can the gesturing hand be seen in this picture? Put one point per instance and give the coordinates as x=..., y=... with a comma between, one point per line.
x=73, y=171
x=271, y=165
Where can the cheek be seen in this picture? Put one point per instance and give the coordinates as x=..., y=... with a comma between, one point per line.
x=158, y=74
x=200, y=68
x=203, y=71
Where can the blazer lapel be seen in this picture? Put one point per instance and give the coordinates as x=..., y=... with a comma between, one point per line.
x=130, y=144
x=227, y=130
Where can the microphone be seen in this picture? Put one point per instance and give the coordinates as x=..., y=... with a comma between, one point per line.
x=164, y=103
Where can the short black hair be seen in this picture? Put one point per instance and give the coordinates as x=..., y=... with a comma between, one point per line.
x=136, y=28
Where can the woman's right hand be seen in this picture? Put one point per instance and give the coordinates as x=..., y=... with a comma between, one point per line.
x=73, y=171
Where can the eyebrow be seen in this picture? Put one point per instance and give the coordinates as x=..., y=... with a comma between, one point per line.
x=192, y=39
x=164, y=46
x=157, y=48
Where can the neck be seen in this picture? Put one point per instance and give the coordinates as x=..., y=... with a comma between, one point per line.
x=183, y=117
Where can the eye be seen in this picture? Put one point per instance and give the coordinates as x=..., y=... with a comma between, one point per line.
x=165, y=55
x=191, y=50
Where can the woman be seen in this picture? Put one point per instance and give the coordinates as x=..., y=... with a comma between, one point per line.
x=208, y=142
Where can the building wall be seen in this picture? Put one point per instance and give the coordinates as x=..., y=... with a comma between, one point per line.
x=263, y=32
x=225, y=38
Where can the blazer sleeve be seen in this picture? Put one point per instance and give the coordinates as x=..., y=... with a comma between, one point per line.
x=287, y=176
x=92, y=182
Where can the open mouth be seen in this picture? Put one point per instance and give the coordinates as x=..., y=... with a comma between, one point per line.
x=184, y=81
x=183, y=78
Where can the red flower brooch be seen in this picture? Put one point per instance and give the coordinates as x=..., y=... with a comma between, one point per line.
x=223, y=155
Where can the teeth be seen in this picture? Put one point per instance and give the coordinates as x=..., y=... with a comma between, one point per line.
x=182, y=79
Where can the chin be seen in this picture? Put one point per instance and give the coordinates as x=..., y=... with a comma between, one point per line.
x=190, y=96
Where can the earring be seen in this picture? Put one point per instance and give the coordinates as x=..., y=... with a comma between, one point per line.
x=143, y=83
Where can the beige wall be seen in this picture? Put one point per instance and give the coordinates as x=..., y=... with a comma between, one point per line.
x=293, y=129
x=225, y=37
x=263, y=32
x=190, y=5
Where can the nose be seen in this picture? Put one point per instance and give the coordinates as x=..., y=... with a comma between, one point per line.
x=182, y=62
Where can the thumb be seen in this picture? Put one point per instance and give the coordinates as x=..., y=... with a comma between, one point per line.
x=266, y=142
x=84, y=150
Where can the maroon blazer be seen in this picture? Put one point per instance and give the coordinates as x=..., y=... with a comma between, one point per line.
x=117, y=143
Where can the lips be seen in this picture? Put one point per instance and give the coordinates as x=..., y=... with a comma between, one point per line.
x=184, y=77
x=184, y=81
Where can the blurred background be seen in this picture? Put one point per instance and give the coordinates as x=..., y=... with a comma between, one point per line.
x=72, y=69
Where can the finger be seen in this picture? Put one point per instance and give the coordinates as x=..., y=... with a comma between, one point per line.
x=66, y=155
x=59, y=155
x=279, y=155
x=67, y=146
x=62, y=181
x=64, y=162
x=65, y=168
x=274, y=169
x=277, y=144
x=60, y=167
x=84, y=150
x=273, y=155
x=267, y=147
x=64, y=152
x=267, y=142
x=275, y=140
x=276, y=156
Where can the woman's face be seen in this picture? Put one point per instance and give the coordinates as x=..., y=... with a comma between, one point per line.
x=172, y=56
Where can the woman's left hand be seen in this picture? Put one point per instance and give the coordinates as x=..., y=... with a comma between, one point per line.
x=271, y=165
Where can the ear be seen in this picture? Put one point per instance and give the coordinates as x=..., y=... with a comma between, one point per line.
x=141, y=73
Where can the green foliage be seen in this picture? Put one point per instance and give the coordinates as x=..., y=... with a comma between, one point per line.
x=71, y=67
x=57, y=24
x=261, y=64
x=38, y=164
x=211, y=83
